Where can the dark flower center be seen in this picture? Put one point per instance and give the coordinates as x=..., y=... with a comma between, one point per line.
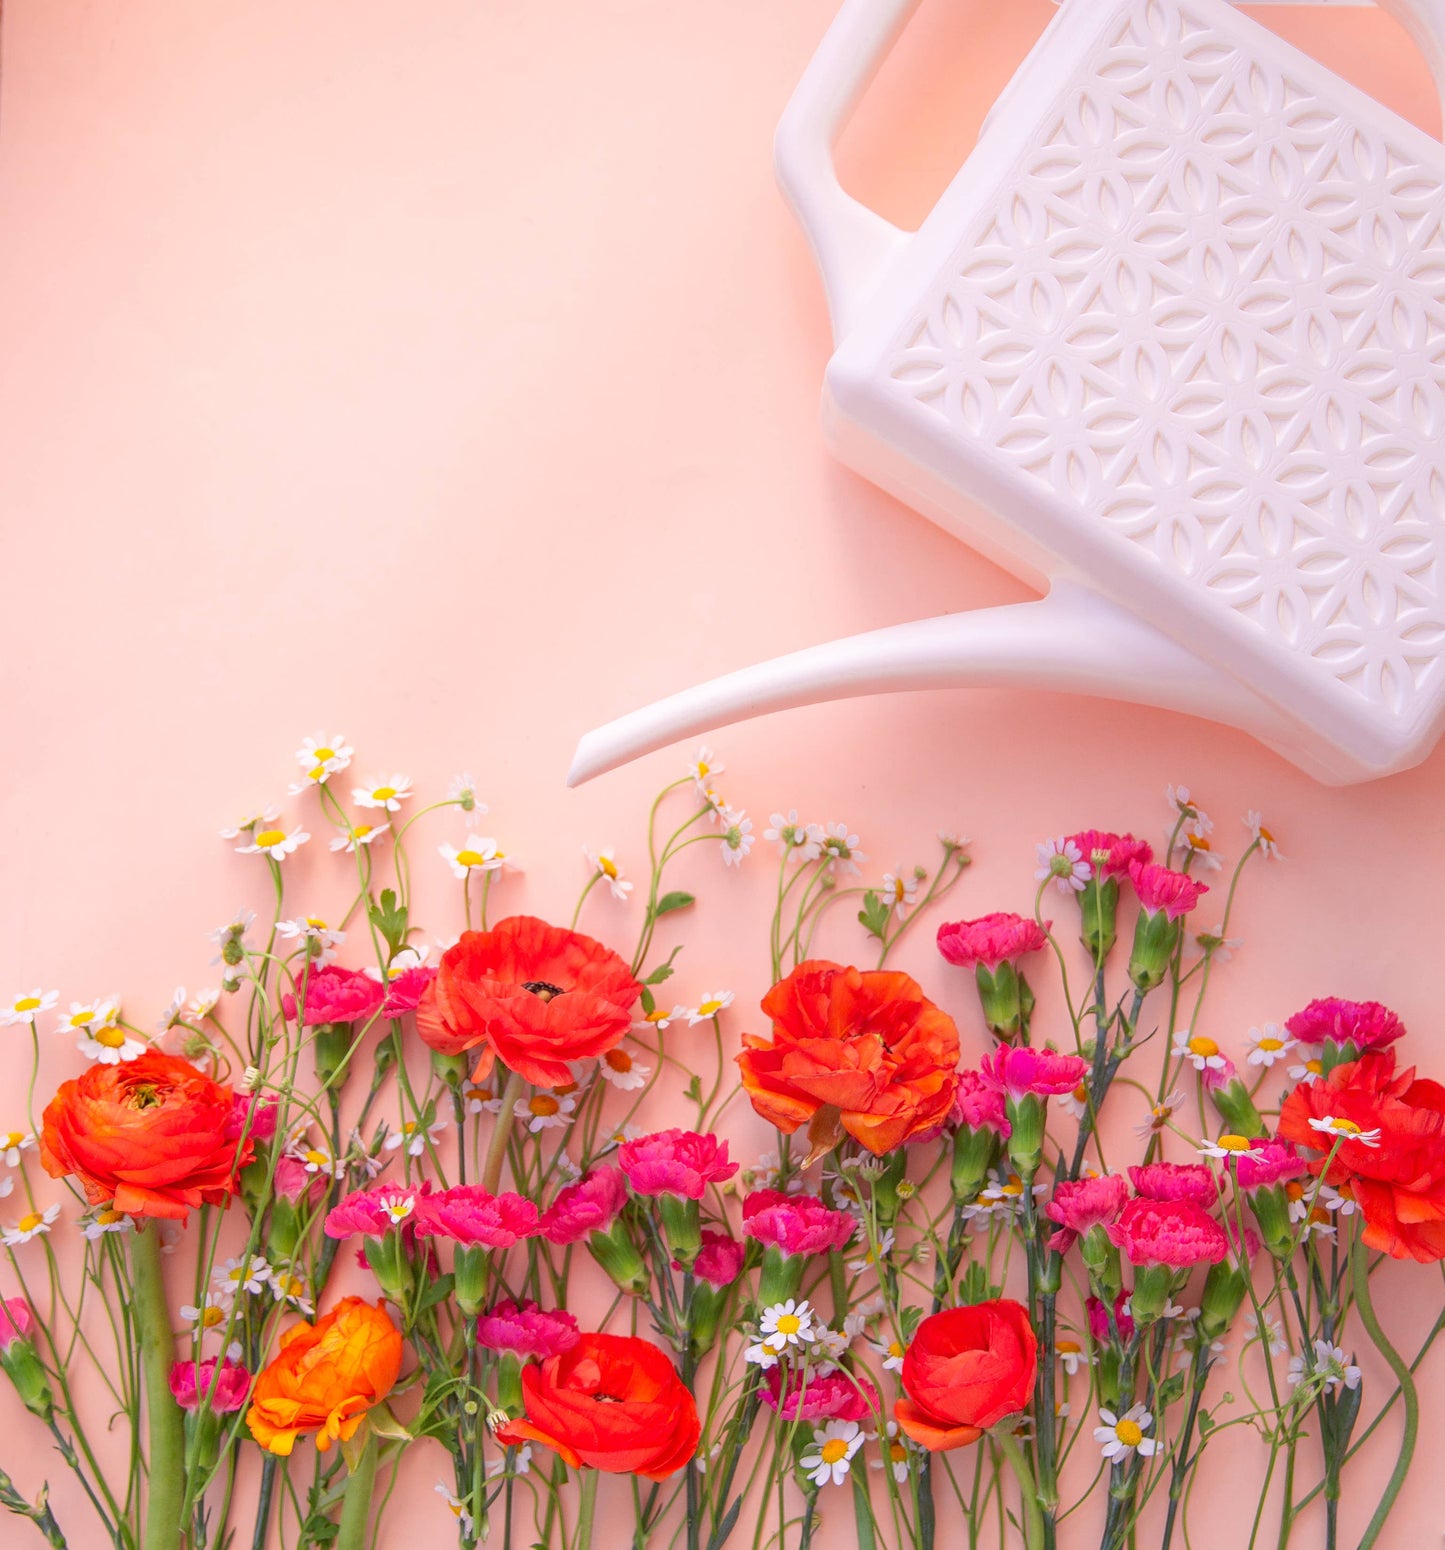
x=542, y=990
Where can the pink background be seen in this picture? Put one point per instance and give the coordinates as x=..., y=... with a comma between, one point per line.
x=446, y=375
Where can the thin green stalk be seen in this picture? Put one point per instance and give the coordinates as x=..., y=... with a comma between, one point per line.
x=497, y=1150
x=166, y=1453
x=356, y=1508
x=586, y=1509
x=1360, y=1282
x=1033, y=1513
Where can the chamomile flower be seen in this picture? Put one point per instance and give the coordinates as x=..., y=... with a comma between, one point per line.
x=873, y=1255
x=27, y=1006
x=202, y=1004
x=1268, y=845
x=32, y=1225
x=387, y=792
x=760, y=1354
x=472, y=855
x=1160, y=1114
x=1274, y=1333
x=210, y=1313
x=459, y=1507
x=604, y=863
x=1346, y=1129
x=231, y=938
x=414, y=1135
x=261, y=820
x=317, y=1159
x=239, y=1275
x=659, y=1018
x=840, y=851
x=704, y=767
x=829, y=1457
x=172, y=1013
x=1310, y=1068
x=463, y=791
x=320, y=758
x=624, y=1073
x=1076, y=1103
x=13, y=1144
x=521, y=1462
x=290, y=1288
x=1061, y=862
x=1122, y=1435
x=105, y=1220
x=86, y=1015
x=792, y=836
x=709, y=1004
x=786, y=1324
x=829, y=1347
x=1199, y=1050
x=899, y=891
x=481, y=1099
x=1194, y=844
x=892, y=1353
x=110, y=1046
x=321, y=941
x=545, y=1111
x=895, y=1452
x=359, y=834
x=1218, y=946
x=1230, y=1148
x=1071, y=1355
x=273, y=842
x=1184, y=805
x=1336, y=1201
x=737, y=839
x=1268, y=1044
x=1330, y=1368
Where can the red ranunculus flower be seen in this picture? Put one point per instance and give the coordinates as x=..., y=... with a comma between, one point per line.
x=967, y=1369
x=1399, y=1182
x=151, y=1135
x=861, y=1051
x=611, y=1402
x=533, y=995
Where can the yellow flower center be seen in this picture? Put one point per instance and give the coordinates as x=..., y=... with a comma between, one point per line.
x=833, y=1450
x=1233, y=1143
x=1319, y=1217
x=456, y=1508
x=657, y=1015
x=1265, y=835
x=236, y=1274
x=1199, y=1044
x=1129, y=1433
x=109, y=1216
x=384, y=793
x=81, y=1019
x=544, y=1104
x=291, y=1286
x=481, y=1094
x=211, y=1317
x=361, y=831
x=607, y=866
x=470, y=857
x=323, y=754
x=1315, y=1067
x=895, y=1348
x=703, y=770
x=711, y=1007
x=789, y=1323
x=13, y=1139
x=896, y=1453
x=317, y=1159
x=1346, y=1127
x=111, y=1038
x=409, y=1128
x=1080, y=1094
x=1068, y=1347
x=1013, y=1186
x=27, y=1004
x=1270, y=1043
x=1198, y=842
x=1294, y=1190
x=268, y=837
x=30, y=1221
x=618, y=1060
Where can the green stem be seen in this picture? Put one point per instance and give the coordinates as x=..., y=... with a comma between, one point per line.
x=1033, y=1513
x=356, y=1509
x=261, y=1532
x=1360, y=1280
x=497, y=1149
x=587, y=1506
x=166, y=1454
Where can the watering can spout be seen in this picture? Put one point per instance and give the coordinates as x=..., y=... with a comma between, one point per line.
x=1072, y=640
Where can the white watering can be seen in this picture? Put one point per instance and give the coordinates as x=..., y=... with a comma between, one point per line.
x=1171, y=348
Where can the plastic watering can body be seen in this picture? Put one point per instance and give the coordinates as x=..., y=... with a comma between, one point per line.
x=1170, y=346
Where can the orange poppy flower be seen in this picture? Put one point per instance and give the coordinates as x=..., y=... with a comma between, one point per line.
x=853, y=1050
x=153, y=1135
x=965, y=1370
x=325, y=1376
x=532, y=995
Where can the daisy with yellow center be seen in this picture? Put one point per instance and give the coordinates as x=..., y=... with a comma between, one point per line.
x=900, y=891
x=12, y=1144
x=387, y=792
x=316, y=1159
x=321, y=758
x=459, y=1510
x=704, y=767
x=892, y=1353
x=1160, y=1115
x=1122, y=1435
x=210, y=1314
x=545, y=1111
x=275, y=843
x=1268, y=845
x=414, y=1135
x=1198, y=848
x=1269, y=1044
x=261, y=820
x=1345, y=1130
x=289, y=1288
x=894, y=1452
x=829, y=1457
x=1071, y=1355
x=1199, y=1050
x=481, y=1099
x=1230, y=1148
x=359, y=834
x=27, y=1006
x=874, y=1254
x=319, y=939
x=710, y=1004
x=659, y=1018
x=786, y=1324
x=604, y=865
x=32, y=1225
x=475, y=854
x=84, y=1015
x=106, y=1219
x=1310, y=1070
x=110, y=1045
x=624, y=1073
x=1075, y=1104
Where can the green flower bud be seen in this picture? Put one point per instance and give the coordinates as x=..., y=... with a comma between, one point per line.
x=1026, y=1143
x=618, y=1256
x=387, y=1259
x=469, y=1266
x=330, y=1044
x=708, y=1302
x=1150, y=1297
x=1007, y=1001
x=682, y=1227
x=782, y=1276
x=1155, y=938
x=1270, y=1205
x=1098, y=910
x=1232, y=1101
x=451, y=1070
x=509, y=1382
x=1225, y=1288
x=886, y=1188
x=974, y=1152
x=26, y=1371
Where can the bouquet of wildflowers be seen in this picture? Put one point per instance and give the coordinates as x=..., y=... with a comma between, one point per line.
x=381, y=1207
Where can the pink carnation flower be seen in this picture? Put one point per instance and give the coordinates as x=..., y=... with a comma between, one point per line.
x=334, y=995
x=1251, y=1245
x=978, y=1105
x=675, y=1162
x=372, y=1213
x=261, y=1113
x=527, y=1330
x=16, y=1321
x=1120, y=851
x=1194, y=1182
x=292, y=1182
x=1080, y=1204
x=835, y=1395
x=1168, y=1232
x=1273, y=1163
x=1366, y=1024
x=796, y=1224
x=720, y=1259
x=1158, y=888
x=1099, y=1319
x=1017, y=1070
x=1215, y=1076
x=468, y=1214
x=589, y=1205
x=190, y=1384
x=990, y=940
x=404, y=993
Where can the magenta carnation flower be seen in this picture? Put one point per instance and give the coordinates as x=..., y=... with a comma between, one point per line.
x=261, y=1114
x=1158, y=888
x=334, y=995
x=1080, y=1204
x=404, y=993
x=589, y=1205
x=978, y=1105
x=1250, y=1246
x=990, y=940
x=190, y=1384
x=720, y=1259
x=1194, y=1182
x=1273, y=1162
x=372, y=1213
x=1176, y=1233
x=835, y=1395
x=292, y=1182
x=16, y=1321
x=527, y=1330
x=1218, y=1074
x=1118, y=851
x=1018, y=1070
x=675, y=1162
x=469, y=1214
x=1099, y=1319
x=1331, y=1020
x=796, y=1224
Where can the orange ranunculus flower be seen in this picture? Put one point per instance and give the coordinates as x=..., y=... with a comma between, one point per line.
x=151, y=1134
x=325, y=1376
x=965, y=1370
x=1399, y=1183
x=856, y=1050
x=611, y=1402
x=533, y=995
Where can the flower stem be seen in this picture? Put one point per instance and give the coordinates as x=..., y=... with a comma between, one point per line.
x=166, y=1454
x=1360, y=1281
x=356, y=1509
x=497, y=1150
x=1033, y=1513
x=585, y=1511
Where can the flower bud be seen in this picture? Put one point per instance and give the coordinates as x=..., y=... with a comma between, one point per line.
x=1098, y=911
x=682, y=1227
x=1007, y=1001
x=1155, y=939
x=331, y=1042
x=705, y=1319
x=888, y=1185
x=1026, y=1139
x=1270, y=1205
x=509, y=1382
x=1224, y=1291
x=451, y=1070
x=386, y=1258
x=1152, y=1285
x=21, y=1360
x=782, y=1276
x=973, y=1155
x=469, y=1266
x=618, y=1256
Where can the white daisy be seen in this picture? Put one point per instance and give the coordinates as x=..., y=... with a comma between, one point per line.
x=25, y=1007
x=1336, y=1203
x=1214, y=942
x=1347, y=1129
x=1062, y=862
x=481, y=1099
x=1195, y=845
x=477, y=854
x=829, y=1456
x=106, y=1219
x=1268, y=1044
x=387, y=792
x=521, y=1462
x=704, y=767
x=900, y=891
x=358, y=834
x=1199, y=1050
x=1071, y=1355
x=1076, y=1103
x=317, y=1159
x=85, y=1015
x=1185, y=806
x=790, y=834
x=1230, y=1148
x=828, y=1348
x=1121, y=1435
x=840, y=850
x=604, y=863
x=737, y=839
x=202, y=1004
x=266, y=817
x=1310, y=1068
x=276, y=843
x=463, y=791
x=873, y=1255
x=289, y=1288
x=458, y=1506
x=1274, y=1330
x=242, y=1275
x=173, y=1010
x=622, y=1071
x=895, y=1451
x=1160, y=1114
x=545, y=1111
x=31, y=1225
x=320, y=758
x=892, y=1353
x=398, y=1204
x=1268, y=845
x=760, y=1354
x=414, y=1136
x=232, y=935
x=110, y=1046
x=709, y=1005
x=786, y=1324
x=12, y=1144
x=321, y=941
x=659, y=1018
x=1331, y=1367
x=210, y=1313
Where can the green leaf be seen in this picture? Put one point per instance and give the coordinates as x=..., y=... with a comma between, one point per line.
x=1206, y=1423
x=649, y=1002
x=390, y=920
x=437, y=1291
x=694, y=1090
x=672, y=901
x=873, y=917
x=1169, y=1391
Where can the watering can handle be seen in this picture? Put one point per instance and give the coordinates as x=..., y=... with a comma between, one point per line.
x=852, y=244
